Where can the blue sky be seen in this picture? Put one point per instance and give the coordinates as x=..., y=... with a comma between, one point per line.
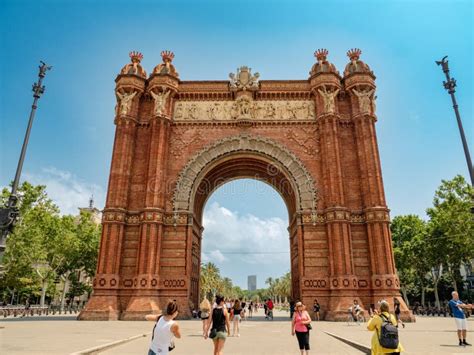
x=87, y=42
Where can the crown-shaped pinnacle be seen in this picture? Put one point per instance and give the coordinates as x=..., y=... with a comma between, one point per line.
x=167, y=56
x=321, y=54
x=135, y=56
x=354, y=53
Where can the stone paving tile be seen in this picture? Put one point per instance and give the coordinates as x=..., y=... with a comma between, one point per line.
x=257, y=337
x=64, y=335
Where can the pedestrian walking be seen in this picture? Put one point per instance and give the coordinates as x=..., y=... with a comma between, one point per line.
x=270, y=307
x=396, y=303
x=385, y=338
x=236, y=315
x=300, y=326
x=316, y=309
x=205, y=308
x=219, y=326
x=250, y=309
x=292, y=308
x=165, y=329
x=457, y=308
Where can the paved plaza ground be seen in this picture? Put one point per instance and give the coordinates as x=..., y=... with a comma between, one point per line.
x=64, y=335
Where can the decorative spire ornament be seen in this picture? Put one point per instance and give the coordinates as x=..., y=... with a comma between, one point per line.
x=354, y=54
x=135, y=56
x=321, y=55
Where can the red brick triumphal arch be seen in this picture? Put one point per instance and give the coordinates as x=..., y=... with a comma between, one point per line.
x=176, y=141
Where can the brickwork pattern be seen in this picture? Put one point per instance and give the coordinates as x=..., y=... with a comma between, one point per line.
x=325, y=165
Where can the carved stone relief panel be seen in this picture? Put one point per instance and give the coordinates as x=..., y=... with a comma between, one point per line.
x=244, y=108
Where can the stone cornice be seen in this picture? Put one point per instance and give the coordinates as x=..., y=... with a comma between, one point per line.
x=332, y=215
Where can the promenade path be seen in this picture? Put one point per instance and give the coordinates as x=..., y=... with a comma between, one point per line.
x=64, y=335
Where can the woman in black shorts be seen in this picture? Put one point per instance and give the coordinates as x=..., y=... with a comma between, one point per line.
x=219, y=325
x=205, y=308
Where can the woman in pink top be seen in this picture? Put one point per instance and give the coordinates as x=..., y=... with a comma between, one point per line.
x=299, y=326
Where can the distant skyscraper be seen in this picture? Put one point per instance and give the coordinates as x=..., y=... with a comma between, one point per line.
x=252, y=282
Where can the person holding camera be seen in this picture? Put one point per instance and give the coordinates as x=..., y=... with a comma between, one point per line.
x=165, y=329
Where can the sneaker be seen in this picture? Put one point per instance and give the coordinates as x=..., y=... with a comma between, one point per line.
x=464, y=342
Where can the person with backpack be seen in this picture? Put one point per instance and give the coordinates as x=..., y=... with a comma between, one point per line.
x=384, y=325
x=164, y=330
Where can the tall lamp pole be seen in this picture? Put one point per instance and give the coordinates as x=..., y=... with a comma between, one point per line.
x=10, y=212
x=450, y=85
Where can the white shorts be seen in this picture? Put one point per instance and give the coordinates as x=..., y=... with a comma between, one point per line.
x=461, y=324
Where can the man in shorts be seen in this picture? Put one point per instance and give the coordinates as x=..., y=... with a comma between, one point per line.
x=457, y=307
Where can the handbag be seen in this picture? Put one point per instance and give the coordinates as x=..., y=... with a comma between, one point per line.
x=309, y=326
x=213, y=333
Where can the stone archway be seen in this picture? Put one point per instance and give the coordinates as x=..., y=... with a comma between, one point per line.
x=244, y=156
x=176, y=141
x=278, y=155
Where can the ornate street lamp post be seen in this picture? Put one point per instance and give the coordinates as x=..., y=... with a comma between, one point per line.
x=450, y=85
x=9, y=213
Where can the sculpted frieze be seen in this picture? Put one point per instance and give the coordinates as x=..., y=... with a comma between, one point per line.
x=244, y=108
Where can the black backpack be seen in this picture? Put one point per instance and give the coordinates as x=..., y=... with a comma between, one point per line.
x=388, y=337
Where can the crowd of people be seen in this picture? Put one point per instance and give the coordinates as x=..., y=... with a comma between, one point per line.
x=223, y=318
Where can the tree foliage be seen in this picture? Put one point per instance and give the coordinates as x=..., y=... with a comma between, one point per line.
x=45, y=246
x=428, y=252
x=212, y=283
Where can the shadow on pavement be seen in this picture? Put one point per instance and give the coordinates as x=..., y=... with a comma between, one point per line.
x=452, y=346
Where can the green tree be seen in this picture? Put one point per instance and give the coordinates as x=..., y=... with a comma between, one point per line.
x=407, y=234
x=45, y=245
x=452, y=225
x=420, y=262
x=37, y=241
x=80, y=253
x=210, y=279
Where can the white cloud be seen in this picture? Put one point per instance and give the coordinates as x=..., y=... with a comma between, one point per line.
x=244, y=236
x=217, y=256
x=67, y=190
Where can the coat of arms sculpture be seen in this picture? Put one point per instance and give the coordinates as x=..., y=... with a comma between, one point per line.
x=244, y=80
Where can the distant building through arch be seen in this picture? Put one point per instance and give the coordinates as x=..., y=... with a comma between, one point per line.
x=252, y=282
